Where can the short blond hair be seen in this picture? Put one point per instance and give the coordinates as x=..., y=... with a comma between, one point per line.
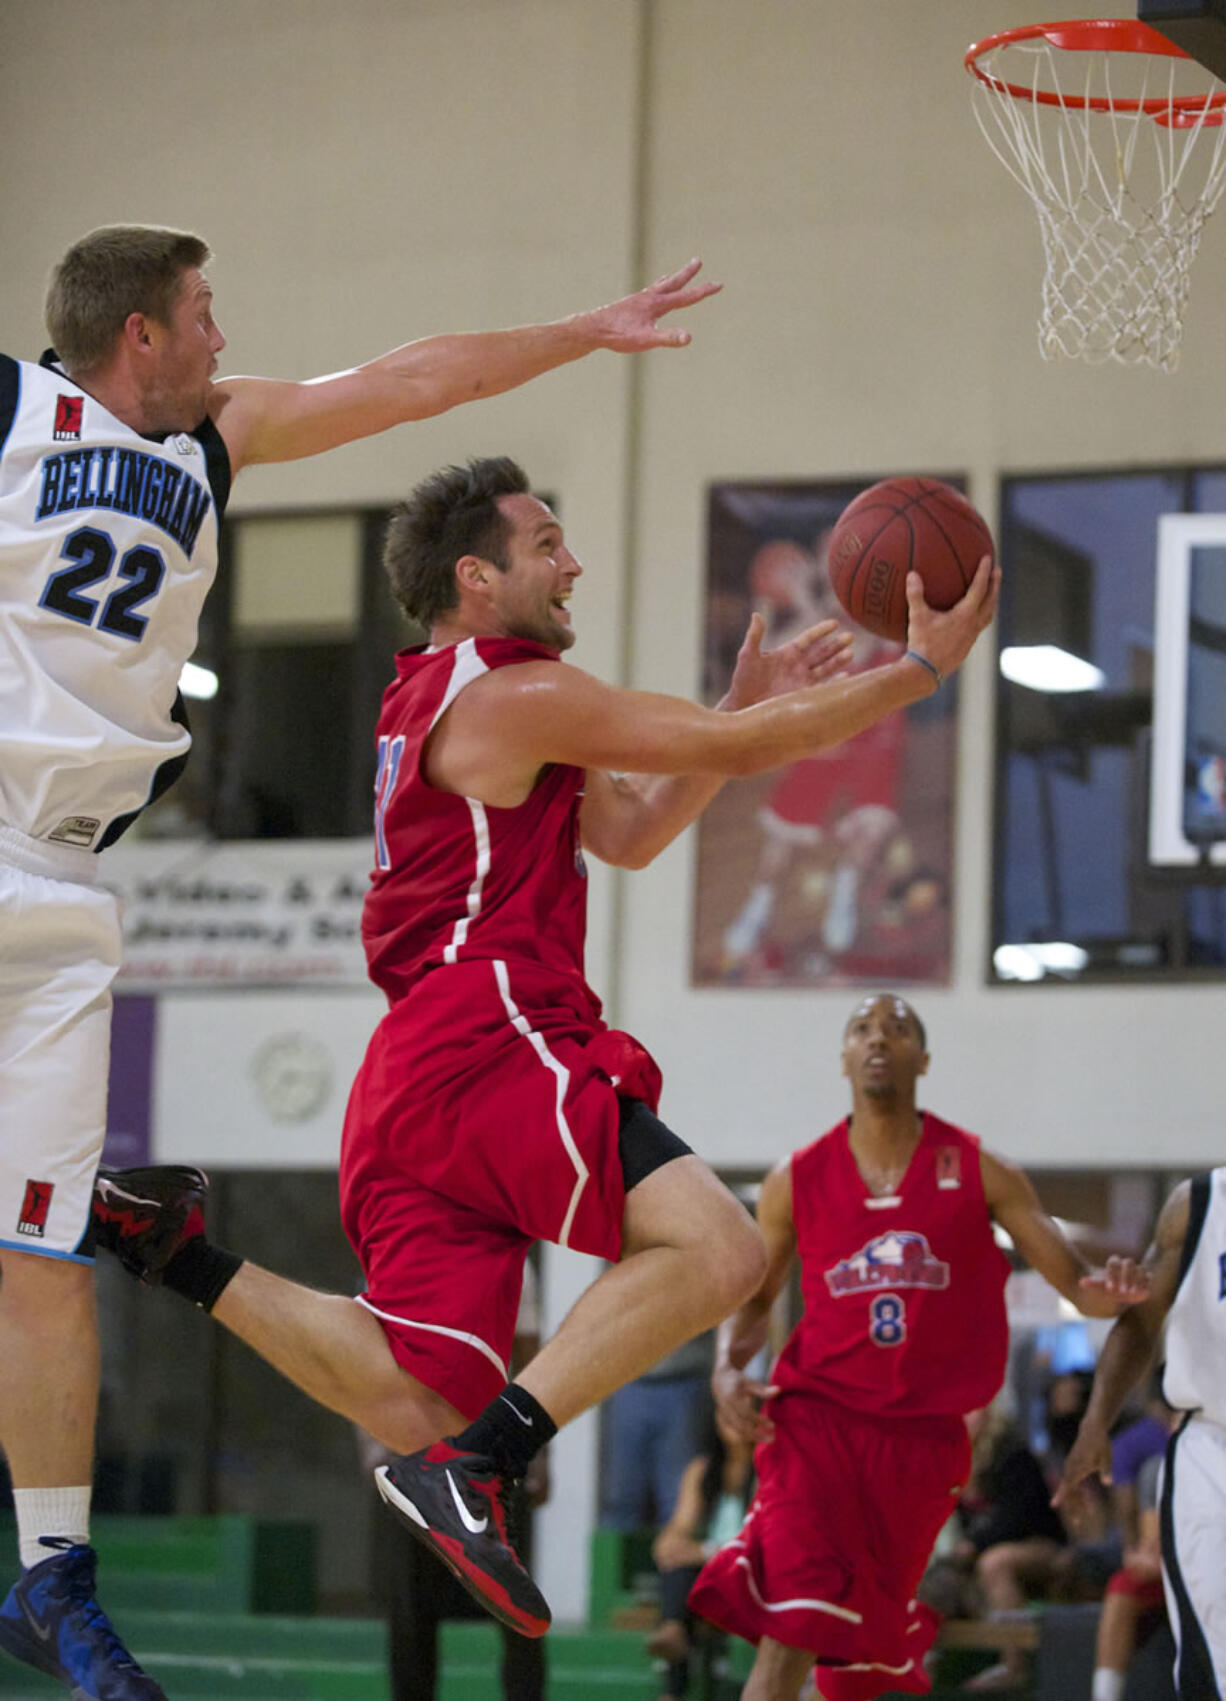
x=114, y=271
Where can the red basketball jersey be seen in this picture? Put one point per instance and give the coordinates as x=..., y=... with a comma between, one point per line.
x=904, y=1296
x=456, y=879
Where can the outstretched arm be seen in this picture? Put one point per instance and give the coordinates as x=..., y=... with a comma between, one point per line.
x=502, y=730
x=266, y=419
x=628, y=819
x=739, y=1398
x=1015, y=1205
x=1129, y=1349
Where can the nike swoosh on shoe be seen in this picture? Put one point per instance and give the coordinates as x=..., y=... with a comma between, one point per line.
x=474, y=1526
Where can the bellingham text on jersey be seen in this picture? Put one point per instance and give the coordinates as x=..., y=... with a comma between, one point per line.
x=134, y=483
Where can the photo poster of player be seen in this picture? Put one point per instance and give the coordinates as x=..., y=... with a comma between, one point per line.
x=838, y=870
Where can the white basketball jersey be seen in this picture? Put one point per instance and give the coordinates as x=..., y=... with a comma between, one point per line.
x=1195, y=1377
x=108, y=547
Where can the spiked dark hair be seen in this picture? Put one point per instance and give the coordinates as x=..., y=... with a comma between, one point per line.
x=451, y=514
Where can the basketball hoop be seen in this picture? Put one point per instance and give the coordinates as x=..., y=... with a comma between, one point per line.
x=1124, y=159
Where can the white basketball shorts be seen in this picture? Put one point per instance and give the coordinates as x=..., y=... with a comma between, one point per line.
x=1193, y=1502
x=59, y=953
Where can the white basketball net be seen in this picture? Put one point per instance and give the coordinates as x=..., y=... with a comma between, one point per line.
x=1122, y=196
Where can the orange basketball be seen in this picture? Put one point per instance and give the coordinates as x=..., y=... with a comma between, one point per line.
x=897, y=525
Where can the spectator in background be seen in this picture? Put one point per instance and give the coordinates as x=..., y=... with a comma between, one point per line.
x=1095, y=1550
x=1064, y=1403
x=1132, y=1449
x=654, y=1426
x=1133, y=1607
x=715, y=1490
x=1010, y=1541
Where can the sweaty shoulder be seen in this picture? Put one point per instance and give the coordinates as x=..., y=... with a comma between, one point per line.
x=512, y=676
x=495, y=701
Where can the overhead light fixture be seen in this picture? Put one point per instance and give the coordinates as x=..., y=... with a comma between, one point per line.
x=1034, y=961
x=196, y=681
x=1046, y=667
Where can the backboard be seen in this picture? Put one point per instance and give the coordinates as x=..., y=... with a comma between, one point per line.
x=1187, y=801
x=1198, y=26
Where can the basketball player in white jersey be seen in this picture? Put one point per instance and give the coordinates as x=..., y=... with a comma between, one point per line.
x=117, y=452
x=1188, y=1295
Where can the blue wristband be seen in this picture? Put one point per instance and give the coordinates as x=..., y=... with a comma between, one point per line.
x=914, y=655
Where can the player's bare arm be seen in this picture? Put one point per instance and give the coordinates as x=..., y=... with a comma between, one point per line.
x=507, y=725
x=628, y=819
x=739, y=1398
x=1015, y=1205
x=265, y=419
x=1130, y=1348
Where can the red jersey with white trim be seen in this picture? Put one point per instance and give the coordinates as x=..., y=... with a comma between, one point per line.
x=904, y=1296
x=457, y=880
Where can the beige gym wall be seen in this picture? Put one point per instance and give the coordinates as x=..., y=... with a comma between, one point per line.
x=386, y=170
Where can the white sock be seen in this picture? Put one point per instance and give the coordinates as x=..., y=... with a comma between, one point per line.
x=743, y=934
x=62, y=1513
x=842, y=922
x=1108, y=1685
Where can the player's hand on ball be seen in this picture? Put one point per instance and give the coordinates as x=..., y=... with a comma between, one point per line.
x=945, y=640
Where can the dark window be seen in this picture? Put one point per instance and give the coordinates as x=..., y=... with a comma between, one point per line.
x=1074, y=896
x=285, y=748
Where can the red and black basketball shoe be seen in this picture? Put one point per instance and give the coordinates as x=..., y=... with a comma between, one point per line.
x=455, y=1504
x=145, y=1216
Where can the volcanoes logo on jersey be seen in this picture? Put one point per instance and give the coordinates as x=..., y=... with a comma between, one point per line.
x=899, y=1259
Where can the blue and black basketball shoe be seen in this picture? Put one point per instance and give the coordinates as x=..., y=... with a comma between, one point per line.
x=52, y=1622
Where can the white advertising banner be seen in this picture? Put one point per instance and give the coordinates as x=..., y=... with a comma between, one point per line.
x=249, y=913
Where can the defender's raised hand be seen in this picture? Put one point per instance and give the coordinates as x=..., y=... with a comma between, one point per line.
x=629, y=325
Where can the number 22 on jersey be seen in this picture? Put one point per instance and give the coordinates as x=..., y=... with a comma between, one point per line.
x=91, y=554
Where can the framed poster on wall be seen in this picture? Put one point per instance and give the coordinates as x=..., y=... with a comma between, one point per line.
x=837, y=870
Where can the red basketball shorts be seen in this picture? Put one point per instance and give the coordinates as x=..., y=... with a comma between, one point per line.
x=484, y=1117
x=842, y=1526
x=1144, y=1590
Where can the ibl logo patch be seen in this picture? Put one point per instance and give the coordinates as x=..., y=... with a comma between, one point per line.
x=37, y=1202
x=68, y=419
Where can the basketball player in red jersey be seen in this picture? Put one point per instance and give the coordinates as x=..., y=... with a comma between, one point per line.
x=864, y=1450
x=494, y=1107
